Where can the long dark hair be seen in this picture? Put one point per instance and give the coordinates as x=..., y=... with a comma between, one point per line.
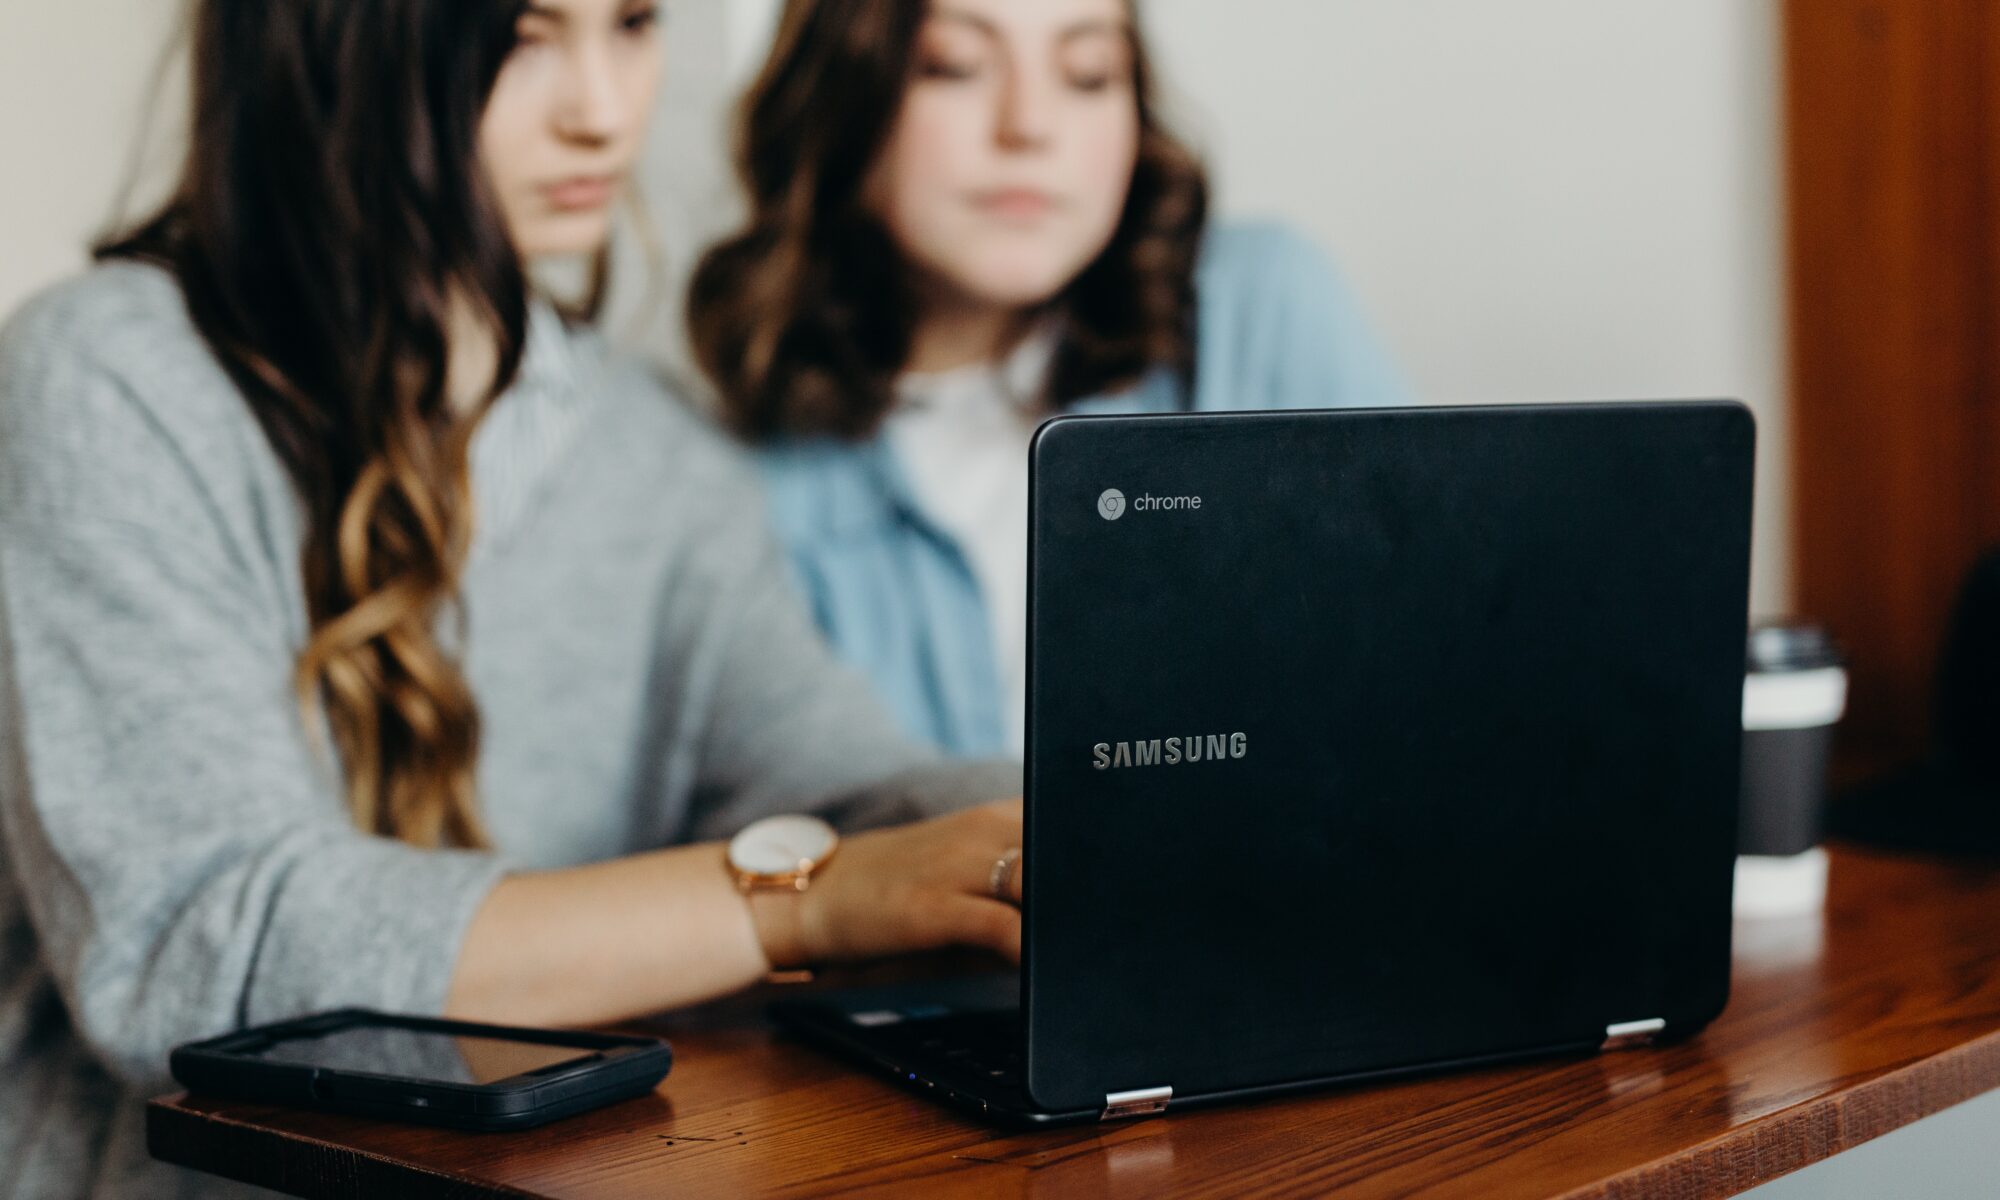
x=330, y=217
x=804, y=318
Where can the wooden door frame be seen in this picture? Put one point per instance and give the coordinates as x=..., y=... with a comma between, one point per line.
x=1892, y=117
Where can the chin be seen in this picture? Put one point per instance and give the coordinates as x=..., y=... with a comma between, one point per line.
x=1015, y=284
x=563, y=235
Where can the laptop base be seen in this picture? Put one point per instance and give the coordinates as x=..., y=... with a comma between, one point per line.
x=958, y=1043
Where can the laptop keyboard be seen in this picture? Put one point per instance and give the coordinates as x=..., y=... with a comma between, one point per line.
x=984, y=1045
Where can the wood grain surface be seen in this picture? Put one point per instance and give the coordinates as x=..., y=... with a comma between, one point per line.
x=1838, y=1030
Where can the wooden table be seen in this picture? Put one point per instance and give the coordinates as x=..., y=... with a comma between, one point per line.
x=1838, y=1031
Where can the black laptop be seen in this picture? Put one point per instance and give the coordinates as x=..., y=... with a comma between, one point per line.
x=1359, y=743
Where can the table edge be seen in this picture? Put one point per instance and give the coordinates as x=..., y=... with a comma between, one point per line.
x=364, y=1172
x=1815, y=1130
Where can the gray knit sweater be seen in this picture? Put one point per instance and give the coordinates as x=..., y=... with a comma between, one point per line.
x=176, y=858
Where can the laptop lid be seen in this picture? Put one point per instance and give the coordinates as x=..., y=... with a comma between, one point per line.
x=1367, y=739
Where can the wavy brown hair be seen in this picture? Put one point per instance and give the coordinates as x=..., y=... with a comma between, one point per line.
x=330, y=218
x=804, y=318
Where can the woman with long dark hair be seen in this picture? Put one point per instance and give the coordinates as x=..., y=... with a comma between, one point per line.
x=966, y=216
x=369, y=634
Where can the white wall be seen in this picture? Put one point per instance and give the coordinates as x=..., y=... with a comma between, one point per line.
x=1545, y=199
x=1538, y=200
x=76, y=89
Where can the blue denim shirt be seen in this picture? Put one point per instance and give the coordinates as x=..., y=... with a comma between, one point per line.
x=896, y=595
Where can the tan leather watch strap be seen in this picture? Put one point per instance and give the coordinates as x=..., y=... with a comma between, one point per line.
x=774, y=912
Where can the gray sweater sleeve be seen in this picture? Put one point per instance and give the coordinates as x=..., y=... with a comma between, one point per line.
x=178, y=840
x=789, y=728
x=182, y=850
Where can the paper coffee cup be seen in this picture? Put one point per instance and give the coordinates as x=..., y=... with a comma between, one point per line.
x=1794, y=694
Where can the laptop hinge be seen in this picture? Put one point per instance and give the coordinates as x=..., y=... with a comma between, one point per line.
x=1142, y=1102
x=1631, y=1033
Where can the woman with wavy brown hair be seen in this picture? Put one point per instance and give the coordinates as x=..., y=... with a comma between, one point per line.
x=966, y=216
x=370, y=635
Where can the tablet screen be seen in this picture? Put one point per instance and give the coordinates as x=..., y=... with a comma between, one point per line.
x=421, y=1054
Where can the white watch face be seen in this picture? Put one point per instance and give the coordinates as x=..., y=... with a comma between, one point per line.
x=781, y=845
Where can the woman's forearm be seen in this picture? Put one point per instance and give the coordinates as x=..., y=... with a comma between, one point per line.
x=607, y=942
x=633, y=936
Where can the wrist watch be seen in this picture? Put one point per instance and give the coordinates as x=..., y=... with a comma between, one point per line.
x=776, y=856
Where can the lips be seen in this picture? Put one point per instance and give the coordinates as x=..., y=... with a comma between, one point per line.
x=1014, y=204
x=581, y=193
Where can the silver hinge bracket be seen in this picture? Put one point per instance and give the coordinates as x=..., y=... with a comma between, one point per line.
x=1143, y=1102
x=1631, y=1033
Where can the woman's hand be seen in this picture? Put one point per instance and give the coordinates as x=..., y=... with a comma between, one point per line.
x=916, y=887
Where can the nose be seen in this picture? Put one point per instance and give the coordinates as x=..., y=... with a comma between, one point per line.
x=591, y=108
x=1027, y=110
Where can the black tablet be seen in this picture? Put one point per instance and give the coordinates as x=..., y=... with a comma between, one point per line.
x=455, y=1073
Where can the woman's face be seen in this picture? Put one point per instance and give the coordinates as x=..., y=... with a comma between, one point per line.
x=1006, y=172
x=567, y=118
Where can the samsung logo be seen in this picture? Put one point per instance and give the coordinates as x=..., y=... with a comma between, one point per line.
x=1168, y=752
